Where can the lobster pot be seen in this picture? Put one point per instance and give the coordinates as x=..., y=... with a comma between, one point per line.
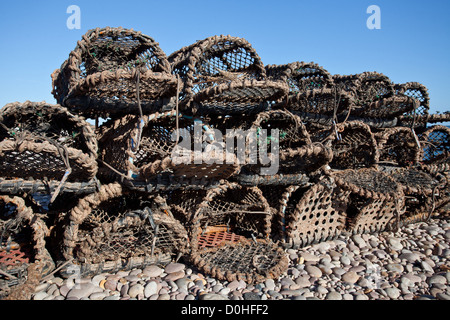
x=441, y=198
x=317, y=103
x=112, y=72
x=418, y=92
x=398, y=145
x=223, y=75
x=24, y=258
x=281, y=150
x=389, y=107
x=230, y=210
x=420, y=191
x=143, y=150
x=252, y=261
x=39, y=141
x=110, y=231
x=309, y=214
x=353, y=145
x=375, y=202
x=301, y=76
x=435, y=143
x=365, y=88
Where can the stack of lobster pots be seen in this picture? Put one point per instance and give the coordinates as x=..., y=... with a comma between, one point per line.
x=209, y=155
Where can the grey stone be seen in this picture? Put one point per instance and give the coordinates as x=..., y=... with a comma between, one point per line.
x=309, y=257
x=442, y=296
x=395, y=244
x=270, y=284
x=350, y=277
x=333, y=295
x=396, y=267
x=409, y=256
x=83, y=290
x=313, y=271
x=174, y=267
x=212, y=296
x=98, y=296
x=41, y=295
x=152, y=271
x=136, y=290
x=437, y=279
x=392, y=292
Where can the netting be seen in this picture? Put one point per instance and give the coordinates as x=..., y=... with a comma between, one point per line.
x=375, y=202
x=113, y=229
x=436, y=145
x=109, y=70
x=353, y=145
x=308, y=215
x=247, y=260
x=398, y=145
x=22, y=248
x=223, y=75
x=143, y=148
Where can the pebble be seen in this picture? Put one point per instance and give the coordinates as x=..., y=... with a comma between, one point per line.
x=393, y=292
x=313, y=271
x=350, y=277
x=410, y=264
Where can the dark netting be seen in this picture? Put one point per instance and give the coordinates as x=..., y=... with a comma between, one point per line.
x=418, y=92
x=110, y=229
x=109, y=70
x=142, y=149
x=41, y=141
x=421, y=192
x=375, y=202
x=308, y=215
x=399, y=146
x=435, y=143
x=353, y=145
x=232, y=208
x=247, y=260
x=23, y=256
x=301, y=76
x=224, y=75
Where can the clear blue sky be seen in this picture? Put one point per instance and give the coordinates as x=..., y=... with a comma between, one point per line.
x=412, y=45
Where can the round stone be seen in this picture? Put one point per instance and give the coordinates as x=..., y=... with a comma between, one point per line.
x=313, y=271
x=152, y=271
x=174, y=267
x=392, y=292
x=333, y=295
x=350, y=277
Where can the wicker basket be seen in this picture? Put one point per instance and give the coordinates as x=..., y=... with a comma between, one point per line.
x=309, y=214
x=296, y=153
x=375, y=202
x=24, y=258
x=398, y=145
x=229, y=232
x=252, y=261
x=114, y=71
x=353, y=144
x=420, y=189
x=301, y=76
x=435, y=142
x=232, y=208
x=419, y=92
x=223, y=75
x=145, y=151
x=113, y=230
x=366, y=87
x=42, y=142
